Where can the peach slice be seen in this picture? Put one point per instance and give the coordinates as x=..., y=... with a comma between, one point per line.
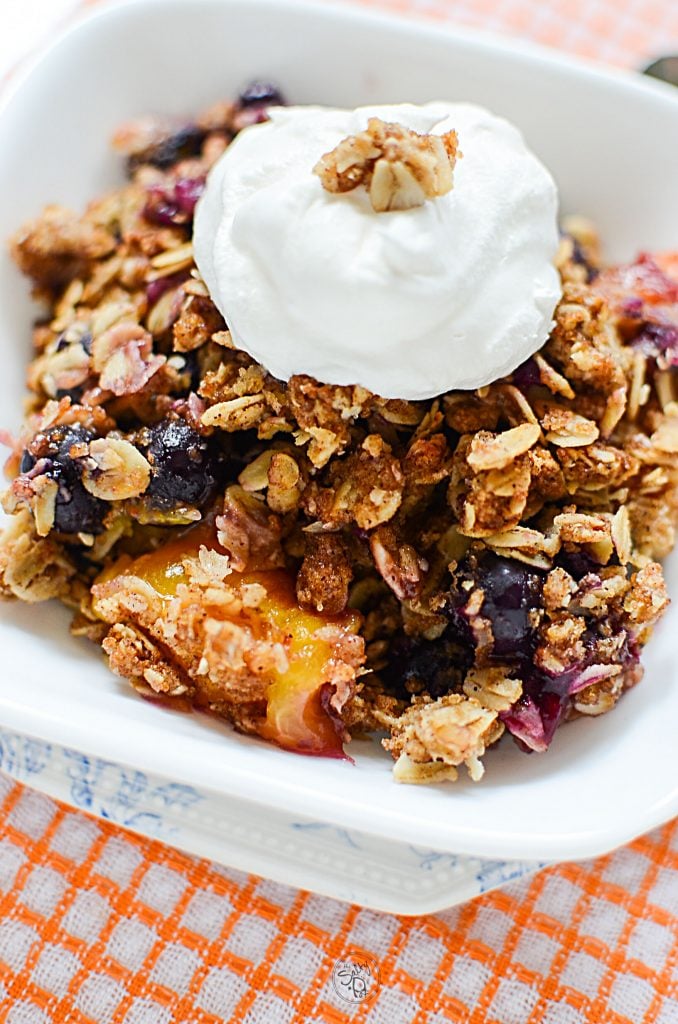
x=316, y=656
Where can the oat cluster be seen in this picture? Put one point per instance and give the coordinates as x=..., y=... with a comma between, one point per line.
x=500, y=547
x=399, y=168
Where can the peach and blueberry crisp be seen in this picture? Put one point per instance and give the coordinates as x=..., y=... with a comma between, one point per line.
x=313, y=562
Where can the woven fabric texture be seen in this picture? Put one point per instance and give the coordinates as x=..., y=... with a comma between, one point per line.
x=631, y=33
x=97, y=925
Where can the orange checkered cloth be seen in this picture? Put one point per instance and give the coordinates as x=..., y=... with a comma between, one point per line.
x=97, y=925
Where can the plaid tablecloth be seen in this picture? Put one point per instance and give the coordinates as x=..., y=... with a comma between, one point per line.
x=97, y=925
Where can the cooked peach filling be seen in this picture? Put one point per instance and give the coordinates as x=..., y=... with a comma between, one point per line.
x=298, y=714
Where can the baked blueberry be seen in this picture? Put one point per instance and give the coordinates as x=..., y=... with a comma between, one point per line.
x=76, y=510
x=261, y=93
x=184, y=465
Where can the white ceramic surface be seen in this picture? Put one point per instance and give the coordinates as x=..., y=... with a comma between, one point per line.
x=402, y=878
x=609, y=139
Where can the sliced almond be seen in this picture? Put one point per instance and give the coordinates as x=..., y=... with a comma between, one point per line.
x=237, y=414
x=115, y=470
x=496, y=452
x=665, y=437
x=621, y=534
x=44, y=506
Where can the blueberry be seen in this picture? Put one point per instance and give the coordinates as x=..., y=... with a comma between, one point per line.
x=75, y=394
x=435, y=667
x=184, y=143
x=85, y=340
x=261, y=94
x=76, y=510
x=658, y=341
x=577, y=563
x=174, y=204
x=579, y=257
x=512, y=594
x=156, y=289
x=184, y=466
x=63, y=342
x=527, y=374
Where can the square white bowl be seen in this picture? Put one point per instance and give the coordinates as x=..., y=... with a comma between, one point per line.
x=610, y=140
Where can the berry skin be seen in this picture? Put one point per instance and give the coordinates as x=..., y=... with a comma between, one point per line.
x=512, y=596
x=184, y=143
x=261, y=94
x=436, y=667
x=76, y=510
x=184, y=466
x=174, y=204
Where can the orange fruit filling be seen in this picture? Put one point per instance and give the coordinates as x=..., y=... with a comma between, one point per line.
x=298, y=716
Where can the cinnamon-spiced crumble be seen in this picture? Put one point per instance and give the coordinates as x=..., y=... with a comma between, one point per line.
x=312, y=562
x=399, y=167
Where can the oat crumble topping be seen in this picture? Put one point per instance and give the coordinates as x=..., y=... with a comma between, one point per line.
x=312, y=562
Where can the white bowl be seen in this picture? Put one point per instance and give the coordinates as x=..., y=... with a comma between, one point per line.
x=608, y=137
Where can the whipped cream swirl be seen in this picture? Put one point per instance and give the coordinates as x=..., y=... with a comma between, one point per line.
x=453, y=293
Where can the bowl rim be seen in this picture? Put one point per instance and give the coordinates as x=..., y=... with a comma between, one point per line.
x=254, y=785
x=82, y=19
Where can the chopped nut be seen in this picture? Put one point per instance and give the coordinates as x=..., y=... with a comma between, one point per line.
x=399, y=168
x=397, y=563
x=249, y=532
x=215, y=565
x=223, y=338
x=124, y=358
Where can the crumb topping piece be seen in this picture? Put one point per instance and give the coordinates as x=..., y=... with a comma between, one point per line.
x=399, y=168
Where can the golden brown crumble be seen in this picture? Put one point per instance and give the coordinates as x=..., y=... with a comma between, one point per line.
x=399, y=168
x=478, y=564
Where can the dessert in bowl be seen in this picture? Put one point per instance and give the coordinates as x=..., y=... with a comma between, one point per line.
x=331, y=434
x=57, y=687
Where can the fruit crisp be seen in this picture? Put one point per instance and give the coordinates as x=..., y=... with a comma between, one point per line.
x=312, y=562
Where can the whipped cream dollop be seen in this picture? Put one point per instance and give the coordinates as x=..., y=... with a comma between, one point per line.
x=453, y=293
